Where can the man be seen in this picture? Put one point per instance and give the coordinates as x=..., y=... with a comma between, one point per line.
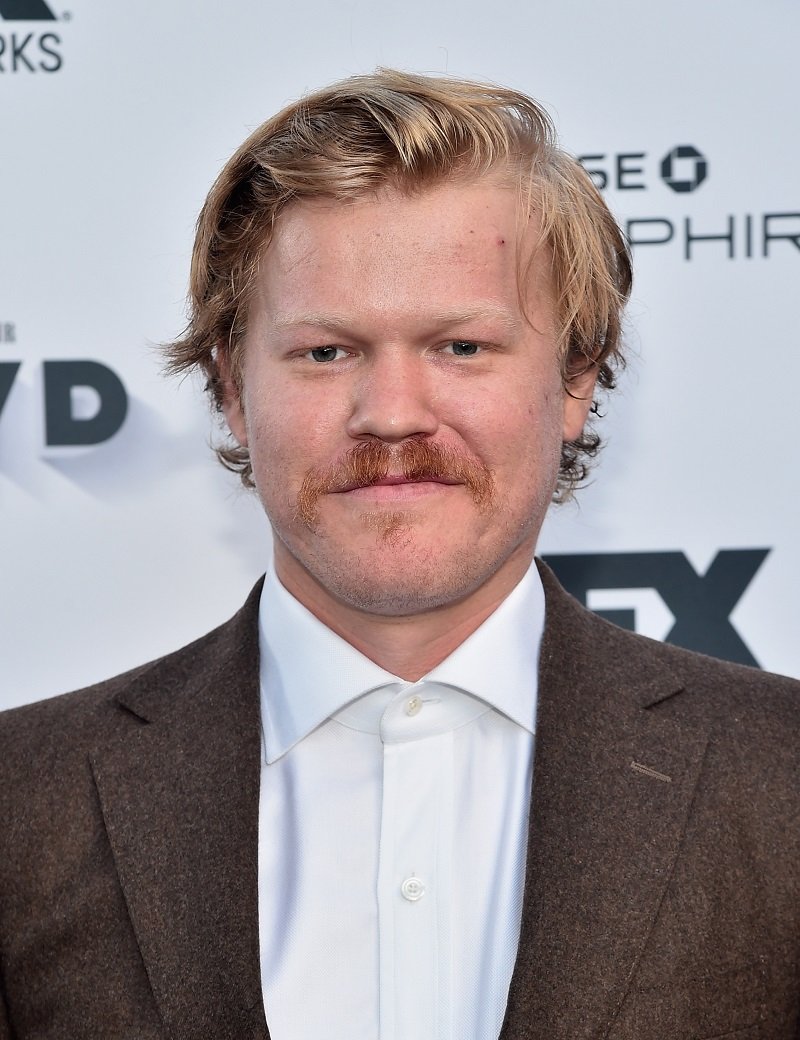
x=412, y=790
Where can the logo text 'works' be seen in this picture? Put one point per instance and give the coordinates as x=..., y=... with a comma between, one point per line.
x=684, y=169
x=31, y=49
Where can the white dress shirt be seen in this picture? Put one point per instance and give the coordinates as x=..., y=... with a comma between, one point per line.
x=393, y=827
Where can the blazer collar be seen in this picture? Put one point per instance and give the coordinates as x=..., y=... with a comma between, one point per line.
x=604, y=832
x=178, y=783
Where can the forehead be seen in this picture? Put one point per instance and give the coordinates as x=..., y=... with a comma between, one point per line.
x=459, y=241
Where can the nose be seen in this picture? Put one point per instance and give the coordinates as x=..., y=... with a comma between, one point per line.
x=392, y=399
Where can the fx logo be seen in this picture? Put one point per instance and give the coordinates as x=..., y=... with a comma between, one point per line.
x=701, y=603
x=26, y=11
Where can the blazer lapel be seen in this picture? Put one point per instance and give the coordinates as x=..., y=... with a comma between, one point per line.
x=178, y=784
x=613, y=780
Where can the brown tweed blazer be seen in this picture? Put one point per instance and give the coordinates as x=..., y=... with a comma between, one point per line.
x=662, y=895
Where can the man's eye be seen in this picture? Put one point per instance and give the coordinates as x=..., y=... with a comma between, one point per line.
x=323, y=354
x=464, y=347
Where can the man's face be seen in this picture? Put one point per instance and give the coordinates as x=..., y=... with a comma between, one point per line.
x=404, y=417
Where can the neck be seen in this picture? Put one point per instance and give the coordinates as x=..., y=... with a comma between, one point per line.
x=408, y=646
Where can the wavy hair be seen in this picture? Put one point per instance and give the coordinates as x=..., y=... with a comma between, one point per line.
x=408, y=131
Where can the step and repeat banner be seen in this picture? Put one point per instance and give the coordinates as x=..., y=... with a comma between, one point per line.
x=122, y=538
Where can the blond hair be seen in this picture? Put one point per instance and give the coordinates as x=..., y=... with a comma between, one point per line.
x=409, y=131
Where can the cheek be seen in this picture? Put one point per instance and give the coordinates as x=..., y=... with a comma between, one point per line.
x=530, y=443
x=270, y=434
x=265, y=425
x=521, y=423
x=289, y=430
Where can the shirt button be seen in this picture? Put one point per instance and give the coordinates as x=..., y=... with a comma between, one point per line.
x=414, y=705
x=412, y=889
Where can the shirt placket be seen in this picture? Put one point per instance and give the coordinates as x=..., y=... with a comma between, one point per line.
x=415, y=873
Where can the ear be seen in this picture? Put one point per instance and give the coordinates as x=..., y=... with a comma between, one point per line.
x=231, y=399
x=578, y=395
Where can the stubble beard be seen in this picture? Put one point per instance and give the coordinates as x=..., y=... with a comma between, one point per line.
x=396, y=576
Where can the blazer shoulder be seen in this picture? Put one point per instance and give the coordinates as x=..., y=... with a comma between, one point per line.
x=723, y=686
x=692, y=684
x=757, y=710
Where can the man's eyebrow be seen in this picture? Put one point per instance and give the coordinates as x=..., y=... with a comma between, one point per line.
x=440, y=319
x=291, y=321
x=497, y=315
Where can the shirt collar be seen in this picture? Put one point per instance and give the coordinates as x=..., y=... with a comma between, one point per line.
x=309, y=673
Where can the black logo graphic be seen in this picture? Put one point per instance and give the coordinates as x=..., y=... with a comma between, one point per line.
x=62, y=426
x=701, y=603
x=684, y=168
x=26, y=11
x=8, y=373
x=27, y=50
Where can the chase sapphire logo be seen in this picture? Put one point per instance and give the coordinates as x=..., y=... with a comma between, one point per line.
x=684, y=168
x=26, y=11
x=692, y=233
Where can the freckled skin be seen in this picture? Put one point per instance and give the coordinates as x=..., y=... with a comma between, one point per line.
x=393, y=282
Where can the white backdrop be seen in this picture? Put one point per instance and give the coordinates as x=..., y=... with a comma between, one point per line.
x=115, y=120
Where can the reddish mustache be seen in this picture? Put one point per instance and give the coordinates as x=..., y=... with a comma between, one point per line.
x=371, y=461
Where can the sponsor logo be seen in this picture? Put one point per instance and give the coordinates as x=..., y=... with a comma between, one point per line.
x=67, y=385
x=26, y=11
x=701, y=604
x=680, y=175
x=684, y=169
x=28, y=50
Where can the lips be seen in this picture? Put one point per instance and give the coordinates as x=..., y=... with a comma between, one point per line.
x=394, y=480
x=389, y=481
